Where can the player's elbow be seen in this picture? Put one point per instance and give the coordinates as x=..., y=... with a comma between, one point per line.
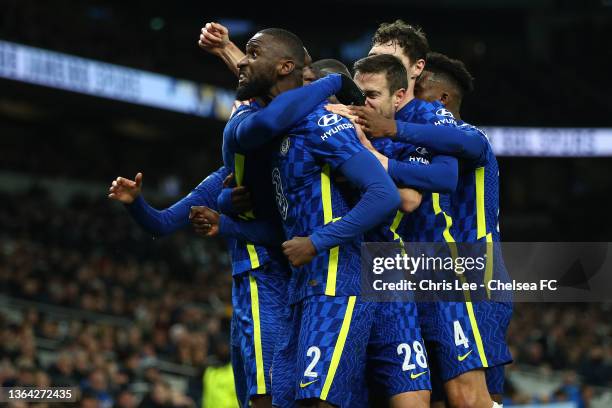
x=392, y=200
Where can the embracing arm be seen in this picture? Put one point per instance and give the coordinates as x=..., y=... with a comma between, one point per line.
x=440, y=175
x=379, y=199
x=286, y=110
x=260, y=232
x=443, y=139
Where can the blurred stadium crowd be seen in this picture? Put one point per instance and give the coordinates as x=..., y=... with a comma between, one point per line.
x=145, y=301
x=135, y=303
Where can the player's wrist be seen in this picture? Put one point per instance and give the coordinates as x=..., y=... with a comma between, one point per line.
x=317, y=245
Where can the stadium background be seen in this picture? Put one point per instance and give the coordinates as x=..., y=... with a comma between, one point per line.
x=87, y=298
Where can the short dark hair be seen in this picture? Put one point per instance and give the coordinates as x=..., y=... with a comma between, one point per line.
x=411, y=38
x=453, y=70
x=290, y=44
x=391, y=66
x=329, y=66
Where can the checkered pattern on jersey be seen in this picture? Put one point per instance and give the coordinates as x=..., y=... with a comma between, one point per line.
x=297, y=167
x=463, y=201
x=397, y=151
x=423, y=225
x=420, y=111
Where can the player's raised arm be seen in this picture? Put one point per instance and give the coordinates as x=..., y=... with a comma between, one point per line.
x=214, y=38
x=164, y=222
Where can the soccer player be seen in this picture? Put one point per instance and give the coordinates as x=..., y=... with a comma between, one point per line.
x=383, y=78
x=460, y=369
x=476, y=218
x=325, y=290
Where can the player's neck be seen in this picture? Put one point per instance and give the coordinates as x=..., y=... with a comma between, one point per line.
x=408, y=97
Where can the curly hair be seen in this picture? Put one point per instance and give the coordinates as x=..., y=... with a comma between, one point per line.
x=411, y=38
x=453, y=69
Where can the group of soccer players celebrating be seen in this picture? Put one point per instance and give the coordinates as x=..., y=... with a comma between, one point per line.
x=307, y=176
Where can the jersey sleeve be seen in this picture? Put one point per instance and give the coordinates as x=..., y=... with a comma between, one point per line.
x=331, y=138
x=456, y=141
x=441, y=175
x=260, y=232
x=263, y=125
x=434, y=113
x=378, y=201
x=164, y=222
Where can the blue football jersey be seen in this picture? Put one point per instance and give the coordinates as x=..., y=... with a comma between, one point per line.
x=308, y=197
x=475, y=203
x=400, y=151
x=429, y=222
x=251, y=169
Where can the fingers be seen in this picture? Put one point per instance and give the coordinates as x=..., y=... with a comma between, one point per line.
x=219, y=28
x=195, y=211
x=138, y=180
x=208, y=36
x=122, y=181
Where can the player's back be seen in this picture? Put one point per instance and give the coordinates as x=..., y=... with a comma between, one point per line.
x=475, y=203
x=308, y=198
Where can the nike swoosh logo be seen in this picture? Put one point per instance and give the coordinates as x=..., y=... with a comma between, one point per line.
x=304, y=385
x=413, y=375
x=463, y=357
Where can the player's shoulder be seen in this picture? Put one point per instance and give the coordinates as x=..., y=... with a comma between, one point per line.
x=474, y=130
x=432, y=113
x=467, y=127
x=324, y=124
x=243, y=107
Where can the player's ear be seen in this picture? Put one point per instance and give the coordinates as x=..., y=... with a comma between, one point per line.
x=398, y=97
x=445, y=98
x=285, y=67
x=417, y=68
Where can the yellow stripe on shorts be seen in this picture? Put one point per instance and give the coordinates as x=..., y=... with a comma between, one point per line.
x=339, y=347
x=448, y=237
x=261, y=379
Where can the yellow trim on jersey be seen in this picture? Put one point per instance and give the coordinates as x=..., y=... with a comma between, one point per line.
x=253, y=257
x=489, y=264
x=393, y=228
x=448, y=237
x=261, y=380
x=481, y=224
x=339, y=347
x=239, y=168
x=328, y=216
x=239, y=176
